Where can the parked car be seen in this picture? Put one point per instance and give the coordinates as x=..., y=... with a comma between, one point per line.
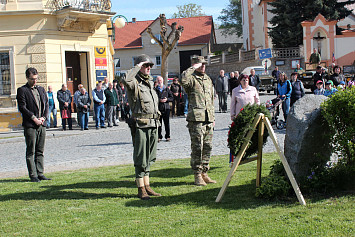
x=268, y=83
x=307, y=78
x=349, y=72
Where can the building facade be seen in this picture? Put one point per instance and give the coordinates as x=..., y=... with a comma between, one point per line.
x=319, y=33
x=133, y=40
x=62, y=39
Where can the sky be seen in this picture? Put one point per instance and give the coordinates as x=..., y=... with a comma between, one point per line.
x=149, y=10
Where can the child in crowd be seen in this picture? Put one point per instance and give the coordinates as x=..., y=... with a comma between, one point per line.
x=329, y=91
x=320, y=90
x=351, y=83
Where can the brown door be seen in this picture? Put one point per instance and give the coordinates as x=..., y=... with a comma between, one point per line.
x=72, y=61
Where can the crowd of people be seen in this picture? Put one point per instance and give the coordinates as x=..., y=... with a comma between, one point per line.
x=146, y=105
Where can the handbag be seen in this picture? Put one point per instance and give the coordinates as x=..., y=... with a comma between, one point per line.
x=65, y=114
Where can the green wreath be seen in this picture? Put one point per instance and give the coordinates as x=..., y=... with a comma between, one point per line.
x=241, y=125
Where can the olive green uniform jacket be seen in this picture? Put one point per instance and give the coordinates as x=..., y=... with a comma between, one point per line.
x=200, y=92
x=142, y=98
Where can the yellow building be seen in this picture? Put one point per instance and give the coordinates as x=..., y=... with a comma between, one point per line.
x=65, y=40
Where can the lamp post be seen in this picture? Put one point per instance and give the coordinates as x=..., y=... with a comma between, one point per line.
x=118, y=21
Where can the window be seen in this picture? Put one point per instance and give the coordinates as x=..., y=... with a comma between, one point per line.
x=158, y=60
x=158, y=36
x=117, y=63
x=5, y=75
x=133, y=59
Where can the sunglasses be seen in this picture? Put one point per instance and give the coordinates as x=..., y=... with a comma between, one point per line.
x=33, y=79
x=148, y=65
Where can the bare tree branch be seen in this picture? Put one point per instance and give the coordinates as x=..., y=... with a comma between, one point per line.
x=173, y=29
x=149, y=31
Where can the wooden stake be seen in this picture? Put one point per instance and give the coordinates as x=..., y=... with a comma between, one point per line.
x=260, y=151
x=238, y=157
x=284, y=162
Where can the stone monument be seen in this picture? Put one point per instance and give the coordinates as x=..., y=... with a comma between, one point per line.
x=306, y=140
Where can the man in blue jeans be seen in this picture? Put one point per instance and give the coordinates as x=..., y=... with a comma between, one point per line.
x=52, y=96
x=99, y=107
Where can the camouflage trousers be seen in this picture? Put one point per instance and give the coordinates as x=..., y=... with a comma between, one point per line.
x=145, y=150
x=201, y=145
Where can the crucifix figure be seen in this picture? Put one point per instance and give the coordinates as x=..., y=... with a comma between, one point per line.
x=319, y=42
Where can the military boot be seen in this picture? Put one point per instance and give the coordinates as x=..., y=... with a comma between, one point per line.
x=207, y=179
x=142, y=193
x=199, y=181
x=148, y=188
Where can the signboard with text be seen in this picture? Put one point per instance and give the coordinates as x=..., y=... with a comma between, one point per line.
x=265, y=53
x=100, y=75
x=100, y=63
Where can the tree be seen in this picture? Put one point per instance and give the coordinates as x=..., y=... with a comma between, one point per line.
x=188, y=10
x=231, y=18
x=288, y=15
x=167, y=43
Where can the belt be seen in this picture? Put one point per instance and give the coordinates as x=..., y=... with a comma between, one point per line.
x=146, y=116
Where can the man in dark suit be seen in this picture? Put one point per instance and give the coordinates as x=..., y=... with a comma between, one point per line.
x=33, y=105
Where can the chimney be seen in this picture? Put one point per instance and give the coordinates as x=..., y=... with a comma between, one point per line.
x=134, y=20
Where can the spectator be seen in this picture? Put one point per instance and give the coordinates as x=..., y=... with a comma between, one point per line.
x=276, y=74
x=186, y=102
x=99, y=98
x=297, y=88
x=222, y=91
x=351, y=83
x=329, y=90
x=118, y=93
x=65, y=99
x=254, y=79
x=233, y=81
x=105, y=84
x=242, y=95
x=165, y=96
x=316, y=77
x=52, y=97
x=176, y=90
x=320, y=90
x=337, y=77
x=76, y=94
x=284, y=90
x=315, y=58
x=112, y=104
x=84, y=103
x=123, y=102
x=33, y=104
x=298, y=69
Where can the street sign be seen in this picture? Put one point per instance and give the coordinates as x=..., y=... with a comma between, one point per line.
x=100, y=75
x=266, y=63
x=265, y=53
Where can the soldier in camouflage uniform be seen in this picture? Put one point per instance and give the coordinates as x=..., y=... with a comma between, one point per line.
x=200, y=117
x=143, y=101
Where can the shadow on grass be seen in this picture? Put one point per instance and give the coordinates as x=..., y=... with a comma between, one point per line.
x=236, y=197
x=14, y=180
x=171, y=172
x=73, y=191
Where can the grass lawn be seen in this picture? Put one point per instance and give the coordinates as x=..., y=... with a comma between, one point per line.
x=103, y=202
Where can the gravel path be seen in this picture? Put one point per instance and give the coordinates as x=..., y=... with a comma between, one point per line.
x=69, y=150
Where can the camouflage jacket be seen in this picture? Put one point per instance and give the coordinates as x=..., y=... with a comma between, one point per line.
x=142, y=98
x=200, y=92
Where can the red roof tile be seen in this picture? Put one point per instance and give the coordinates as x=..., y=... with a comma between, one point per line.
x=197, y=30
